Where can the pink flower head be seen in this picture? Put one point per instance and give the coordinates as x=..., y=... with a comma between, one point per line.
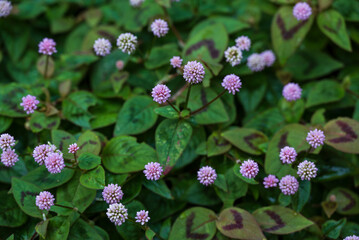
x=161, y=93
x=193, y=72
x=9, y=157
x=159, y=27
x=249, y=169
x=5, y=8
x=29, y=103
x=292, y=92
x=102, y=47
x=315, y=138
x=153, y=171
x=73, y=148
x=117, y=213
x=119, y=65
x=233, y=55
x=255, y=62
x=136, y=3
x=54, y=162
x=302, y=11
x=243, y=43
x=287, y=155
x=176, y=61
x=112, y=193
x=268, y=57
x=45, y=200
x=142, y=217
x=47, y=46
x=232, y=83
x=41, y=152
x=307, y=170
x=353, y=237
x=288, y=185
x=270, y=181
x=6, y=141
x=127, y=42
x=206, y=175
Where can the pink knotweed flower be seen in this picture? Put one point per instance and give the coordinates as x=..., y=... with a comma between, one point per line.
x=6, y=141
x=255, y=62
x=243, y=43
x=302, y=11
x=9, y=157
x=136, y=3
x=73, y=148
x=127, y=42
x=249, y=169
x=47, y=46
x=353, y=237
x=161, y=93
x=5, y=8
x=176, y=61
x=153, y=171
x=117, y=213
x=159, y=27
x=287, y=155
x=233, y=55
x=102, y=47
x=120, y=64
x=270, y=181
x=45, y=200
x=292, y=92
x=307, y=170
x=206, y=175
x=54, y=162
x=41, y=152
x=193, y=72
x=29, y=103
x=289, y=185
x=268, y=57
x=232, y=83
x=112, y=193
x=315, y=138
x=142, y=217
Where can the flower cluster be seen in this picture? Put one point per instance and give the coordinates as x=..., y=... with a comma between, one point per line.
x=127, y=42
x=112, y=193
x=29, y=103
x=233, y=55
x=316, y=138
x=102, y=47
x=45, y=200
x=161, y=93
x=249, y=169
x=232, y=83
x=256, y=62
x=136, y=3
x=292, y=92
x=193, y=72
x=47, y=46
x=5, y=8
x=73, y=148
x=176, y=61
x=307, y=170
x=353, y=237
x=206, y=175
x=8, y=155
x=120, y=64
x=288, y=185
x=142, y=217
x=243, y=43
x=6, y=141
x=159, y=28
x=49, y=155
x=302, y=11
x=153, y=171
x=270, y=181
x=287, y=155
x=117, y=213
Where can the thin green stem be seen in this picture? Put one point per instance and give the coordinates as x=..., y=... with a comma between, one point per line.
x=46, y=66
x=173, y=107
x=187, y=97
x=209, y=103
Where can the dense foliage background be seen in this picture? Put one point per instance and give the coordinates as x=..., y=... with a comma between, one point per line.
x=110, y=113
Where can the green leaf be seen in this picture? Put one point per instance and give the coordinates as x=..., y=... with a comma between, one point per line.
x=131, y=189
x=216, y=145
x=94, y=179
x=161, y=56
x=58, y=228
x=232, y=25
x=349, y=9
x=325, y=91
x=332, y=228
x=239, y=224
x=167, y=112
x=41, y=228
x=5, y=123
x=118, y=79
x=123, y=154
x=150, y=234
x=88, y=161
x=348, y=201
x=332, y=24
x=39, y=121
x=284, y=200
x=236, y=170
x=292, y=111
x=280, y=220
x=89, y=142
x=130, y=230
x=62, y=140
x=268, y=121
x=136, y=116
x=158, y=187
x=10, y=214
x=43, y=69
x=82, y=230
x=302, y=196
x=172, y=137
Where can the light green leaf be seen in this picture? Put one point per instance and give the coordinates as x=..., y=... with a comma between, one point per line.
x=94, y=179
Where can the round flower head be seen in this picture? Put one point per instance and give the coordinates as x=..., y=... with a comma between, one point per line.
x=287, y=155
x=243, y=43
x=136, y=3
x=6, y=141
x=302, y=11
x=233, y=55
x=206, y=175
x=193, y=72
x=41, y=152
x=9, y=157
x=119, y=65
x=102, y=47
x=292, y=92
x=45, y=200
x=249, y=169
x=73, y=148
x=268, y=57
x=47, y=46
x=232, y=83
x=351, y=238
x=270, y=181
x=161, y=93
x=255, y=62
x=153, y=171
x=127, y=42
x=288, y=185
x=315, y=138
x=142, y=217
x=29, y=103
x=117, y=213
x=307, y=170
x=159, y=27
x=112, y=193
x=5, y=8
x=54, y=162
x=176, y=62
